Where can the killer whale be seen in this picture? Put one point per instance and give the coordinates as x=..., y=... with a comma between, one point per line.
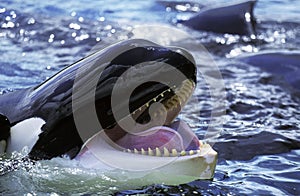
x=285, y=64
x=51, y=106
x=51, y=100
x=231, y=18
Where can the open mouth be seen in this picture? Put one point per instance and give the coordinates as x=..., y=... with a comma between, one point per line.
x=160, y=135
x=139, y=97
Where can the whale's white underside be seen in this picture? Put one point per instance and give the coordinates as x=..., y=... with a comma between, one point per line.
x=24, y=134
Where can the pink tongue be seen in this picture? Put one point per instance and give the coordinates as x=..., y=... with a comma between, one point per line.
x=190, y=140
x=178, y=137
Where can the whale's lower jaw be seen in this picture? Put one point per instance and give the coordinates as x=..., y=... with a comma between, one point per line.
x=200, y=165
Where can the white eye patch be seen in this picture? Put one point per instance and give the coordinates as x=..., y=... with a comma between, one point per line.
x=25, y=133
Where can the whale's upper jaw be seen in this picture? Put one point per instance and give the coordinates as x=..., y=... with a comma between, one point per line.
x=151, y=63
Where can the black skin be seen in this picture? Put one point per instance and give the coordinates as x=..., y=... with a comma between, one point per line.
x=225, y=19
x=4, y=128
x=52, y=100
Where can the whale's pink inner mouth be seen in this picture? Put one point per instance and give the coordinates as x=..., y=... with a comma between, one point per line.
x=176, y=136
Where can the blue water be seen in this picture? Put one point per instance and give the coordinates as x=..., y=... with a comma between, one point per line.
x=259, y=146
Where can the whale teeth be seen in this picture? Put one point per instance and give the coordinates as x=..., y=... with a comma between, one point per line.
x=186, y=90
x=181, y=96
x=157, y=152
x=135, y=151
x=185, y=93
x=200, y=143
x=174, y=152
x=150, y=152
x=143, y=151
x=175, y=101
x=166, y=152
x=182, y=153
x=161, y=111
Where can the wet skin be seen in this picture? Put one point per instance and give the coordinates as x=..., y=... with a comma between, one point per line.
x=52, y=100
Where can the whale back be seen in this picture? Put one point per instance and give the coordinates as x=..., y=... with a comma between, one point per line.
x=233, y=19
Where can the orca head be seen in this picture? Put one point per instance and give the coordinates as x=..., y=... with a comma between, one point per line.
x=146, y=83
x=71, y=95
x=154, y=138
